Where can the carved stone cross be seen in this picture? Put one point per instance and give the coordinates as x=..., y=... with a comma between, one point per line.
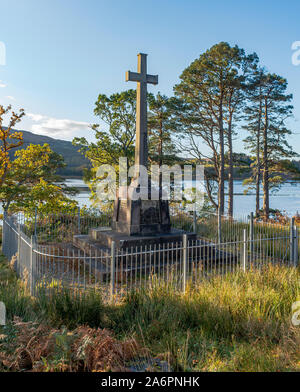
x=142, y=78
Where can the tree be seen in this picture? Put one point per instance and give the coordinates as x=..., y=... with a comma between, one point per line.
x=33, y=168
x=9, y=139
x=273, y=108
x=116, y=140
x=212, y=88
x=161, y=131
x=253, y=118
x=46, y=198
x=239, y=82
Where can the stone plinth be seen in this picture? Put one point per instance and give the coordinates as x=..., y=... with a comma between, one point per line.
x=137, y=213
x=123, y=241
x=141, y=217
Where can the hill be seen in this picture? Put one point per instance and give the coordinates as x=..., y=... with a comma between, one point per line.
x=75, y=162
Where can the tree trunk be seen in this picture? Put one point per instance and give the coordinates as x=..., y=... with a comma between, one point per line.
x=257, y=202
x=222, y=162
x=230, y=170
x=266, y=166
x=209, y=191
x=258, y=164
x=160, y=152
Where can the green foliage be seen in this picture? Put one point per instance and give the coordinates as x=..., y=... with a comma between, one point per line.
x=265, y=115
x=47, y=198
x=162, y=129
x=32, y=181
x=118, y=113
x=212, y=89
x=115, y=139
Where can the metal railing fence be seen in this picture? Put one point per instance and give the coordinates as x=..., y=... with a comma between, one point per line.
x=61, y=227
x=116, y=271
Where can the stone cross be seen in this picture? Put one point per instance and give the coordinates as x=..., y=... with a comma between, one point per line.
x=142, y=78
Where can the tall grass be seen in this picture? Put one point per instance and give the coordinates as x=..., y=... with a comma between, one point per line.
x=235, y=322
x=13, y=293
x=214, y=326
x=70, y=310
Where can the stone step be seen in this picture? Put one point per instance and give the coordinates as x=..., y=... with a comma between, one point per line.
x=96, y=232
x=89, y=245
x=136, y=258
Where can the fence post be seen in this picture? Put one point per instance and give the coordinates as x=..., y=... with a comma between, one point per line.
x=3, y=233
x=35, y=222
x=219, y=227
x=292, y=241
x=245, y=250
x=78, y=215
x=251, y=234
x=185, y=260
x=19, y=248
x=32, y=265
x=296, y=254
x=112, y=269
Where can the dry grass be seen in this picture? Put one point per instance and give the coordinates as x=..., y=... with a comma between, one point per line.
x=37, y=347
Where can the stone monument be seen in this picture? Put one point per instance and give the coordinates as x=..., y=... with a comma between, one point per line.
x=142, y=221
x=140, y=216
x=136, y=221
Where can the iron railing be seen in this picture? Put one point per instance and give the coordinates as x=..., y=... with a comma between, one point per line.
x=57, y=263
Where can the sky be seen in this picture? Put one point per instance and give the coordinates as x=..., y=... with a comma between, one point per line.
x=59, y=55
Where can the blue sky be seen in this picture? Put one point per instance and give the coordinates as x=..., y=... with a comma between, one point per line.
x=61, y=54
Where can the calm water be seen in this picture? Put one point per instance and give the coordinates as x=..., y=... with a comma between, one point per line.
x=286, y=199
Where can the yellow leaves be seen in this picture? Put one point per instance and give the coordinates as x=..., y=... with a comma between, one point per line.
x=34, y=156
x=9, y=139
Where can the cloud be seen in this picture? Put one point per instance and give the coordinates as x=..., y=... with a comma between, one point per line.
x=54, y=127
x=36, y=117
x=10, y=98
x=2, y=85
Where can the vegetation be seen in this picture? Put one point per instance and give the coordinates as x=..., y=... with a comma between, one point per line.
x=225, y=89
x=234, y=322
x=29, y=181
x=213, y=89
x=162, y=127
x=117, y=141
x=269, y=108
x=237, y=322
x=9, y=140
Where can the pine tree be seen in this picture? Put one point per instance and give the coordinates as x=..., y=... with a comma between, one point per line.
x=267, y=115
x=213, y=88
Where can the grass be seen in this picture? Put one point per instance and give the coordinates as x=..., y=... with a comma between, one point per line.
x=217, y=325
x=240, y=322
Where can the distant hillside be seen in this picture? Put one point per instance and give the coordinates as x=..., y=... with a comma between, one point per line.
x=74, y=160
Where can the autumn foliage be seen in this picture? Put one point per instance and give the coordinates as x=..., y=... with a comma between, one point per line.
x=40, y=348
x=9, y=139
